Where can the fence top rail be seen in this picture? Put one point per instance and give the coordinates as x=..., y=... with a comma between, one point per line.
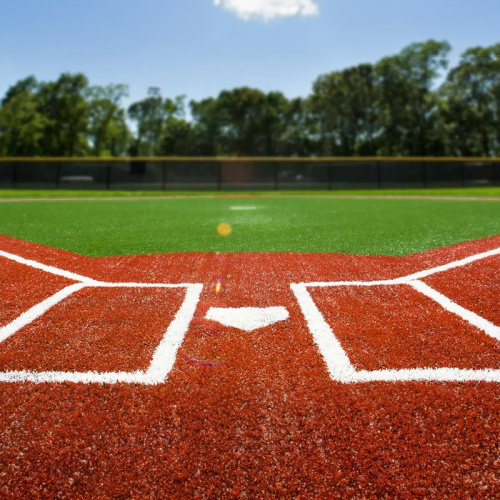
x=256, y=159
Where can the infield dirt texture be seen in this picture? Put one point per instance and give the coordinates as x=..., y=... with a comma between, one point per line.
x=144, y=376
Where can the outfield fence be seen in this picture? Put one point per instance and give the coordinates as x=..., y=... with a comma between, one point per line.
x=246, y=173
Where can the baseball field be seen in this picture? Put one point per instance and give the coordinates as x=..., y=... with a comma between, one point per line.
x=250, y=345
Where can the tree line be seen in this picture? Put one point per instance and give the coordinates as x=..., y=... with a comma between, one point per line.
x=408, y=104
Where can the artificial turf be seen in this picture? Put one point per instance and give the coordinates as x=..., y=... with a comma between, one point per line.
x=277, y=224
x=483, y=191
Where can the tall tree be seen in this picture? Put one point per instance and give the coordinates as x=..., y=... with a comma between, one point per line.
x=22, y=125
x=107, y=127
x=66, y=110
x=245, y=121
x=149, y=115
x=345, y=105
x=471, y=103
x=207, y=127
x=407, y=103
x=299, y=136
x=177, y=135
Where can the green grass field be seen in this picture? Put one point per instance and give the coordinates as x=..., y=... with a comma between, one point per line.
x=488, y=191
x=285, y=223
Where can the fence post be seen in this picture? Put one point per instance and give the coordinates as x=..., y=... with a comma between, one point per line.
x=108, y=176
x=330, y=166
x=379, y=175
x=462, y=174
x=495, y=173
x=58, y=175
x=219, y=176
x=14, y=174
x=423, y=168
x=276, y=186
x=164, y=176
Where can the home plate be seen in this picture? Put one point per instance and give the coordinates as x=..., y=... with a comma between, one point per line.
x=247, y=318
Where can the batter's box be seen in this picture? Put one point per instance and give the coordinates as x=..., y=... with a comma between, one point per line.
x=397, y=330
x=99, y=332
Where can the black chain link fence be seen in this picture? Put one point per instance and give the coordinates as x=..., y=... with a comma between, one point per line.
x=247, y=174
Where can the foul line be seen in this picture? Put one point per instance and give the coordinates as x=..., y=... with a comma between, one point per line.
x=410, y=278
x=49, y=269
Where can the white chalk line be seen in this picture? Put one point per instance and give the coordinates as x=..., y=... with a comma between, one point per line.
x=336, y=359
x=49, y=269
x=447, y=304
x=410, y=277
x=137, y=377
x=166, y=352
x=451, y=265
x=37, y=310
x=243, y=208
x=163, y=358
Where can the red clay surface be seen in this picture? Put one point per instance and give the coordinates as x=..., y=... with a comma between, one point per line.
x=94, y=329
x=22, y=287
x=376, y=335
x=252, y=415
x=482, y=298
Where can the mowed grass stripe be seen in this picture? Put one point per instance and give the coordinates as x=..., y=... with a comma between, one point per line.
x=286, y=224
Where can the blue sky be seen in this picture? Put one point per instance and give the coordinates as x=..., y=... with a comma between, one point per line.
x=198, y=48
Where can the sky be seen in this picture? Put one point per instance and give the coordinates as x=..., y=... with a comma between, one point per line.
x=199, y=47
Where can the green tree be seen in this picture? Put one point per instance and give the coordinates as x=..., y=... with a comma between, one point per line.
x=65, y=108
x=177, y=135
x=240, y=113
x=299, y=130
x=345, y=105
x=107, y=127
x=470, y=107
x=22, y=125
x=407, y=102
x=206, y=127
x=149, y=115
x=159, y=123
x=242, y=121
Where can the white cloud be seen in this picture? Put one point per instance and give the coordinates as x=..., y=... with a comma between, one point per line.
x=269, y=9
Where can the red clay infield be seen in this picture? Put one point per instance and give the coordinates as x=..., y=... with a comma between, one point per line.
x=249, y=414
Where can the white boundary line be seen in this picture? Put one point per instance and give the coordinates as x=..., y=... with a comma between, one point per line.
x=336, y=359
x=163, y=358
x=37, y=310
x=48, y=269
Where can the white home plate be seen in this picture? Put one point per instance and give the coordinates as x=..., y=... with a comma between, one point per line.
x=247, y=318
